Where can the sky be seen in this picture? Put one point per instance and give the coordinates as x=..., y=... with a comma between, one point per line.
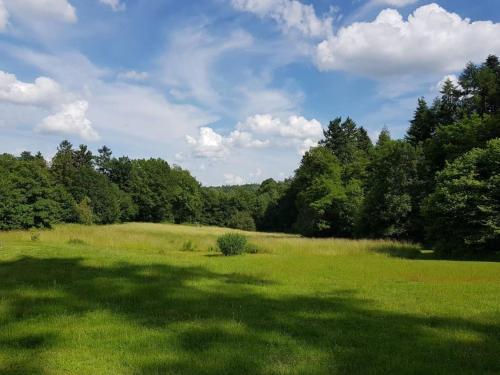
x=233, y=90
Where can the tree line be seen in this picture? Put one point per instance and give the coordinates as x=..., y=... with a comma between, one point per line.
x=440, y=185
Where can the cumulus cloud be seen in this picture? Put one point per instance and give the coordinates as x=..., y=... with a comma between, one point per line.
x=133, y=75
x=42, y=92
x=431, y=40
x=71, y=120
x=255, y=132
x=115, y=5
x=289, y=14
x=245, y=140
x=296, y=127
x=295, y=131
x=209, y=144
x=34, y=10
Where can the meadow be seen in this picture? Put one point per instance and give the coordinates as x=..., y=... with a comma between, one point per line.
x=160, y=299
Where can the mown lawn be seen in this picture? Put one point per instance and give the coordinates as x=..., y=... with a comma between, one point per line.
x=126, y=299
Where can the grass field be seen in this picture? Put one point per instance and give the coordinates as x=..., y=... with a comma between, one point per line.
x=127, y=299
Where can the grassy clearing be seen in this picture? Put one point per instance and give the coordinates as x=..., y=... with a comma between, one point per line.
x=135, y=299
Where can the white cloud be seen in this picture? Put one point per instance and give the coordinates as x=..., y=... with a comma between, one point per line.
x=245, y=140
x=232, y=179
x=306, y=145
x=43, y=92
x=289, y=14
x=295, y=127
x=4, y=16
x=133, y=75
x=209, y=144
x=34, y=10
x=256, y=132
x=71, y=120
x=432, y=40
x=116, y=5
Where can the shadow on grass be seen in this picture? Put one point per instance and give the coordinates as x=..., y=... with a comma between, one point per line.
x=230, y=325
x=415, y=252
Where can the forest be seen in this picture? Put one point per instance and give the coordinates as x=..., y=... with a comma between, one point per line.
x=439, y=186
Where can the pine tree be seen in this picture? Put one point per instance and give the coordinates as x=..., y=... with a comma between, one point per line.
x=342, y=139
x=422, y=126
x=103, y=160
x=384, y=137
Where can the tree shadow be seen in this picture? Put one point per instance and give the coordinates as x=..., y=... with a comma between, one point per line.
x=231, y=325
x=408, y=251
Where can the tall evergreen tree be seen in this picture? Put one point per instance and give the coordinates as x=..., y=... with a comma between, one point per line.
x=422, y=126
x=342, y=139
x=103, y=160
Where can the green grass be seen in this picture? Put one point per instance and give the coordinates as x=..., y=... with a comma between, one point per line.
x=129, y=299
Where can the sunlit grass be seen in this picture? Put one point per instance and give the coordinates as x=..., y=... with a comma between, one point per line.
x=129, y=299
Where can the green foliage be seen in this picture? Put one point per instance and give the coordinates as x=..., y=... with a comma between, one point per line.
x=84, y=212
x=345, y=139
x=463, y=213
x=28, y=195
x=186, y=199
x=151, y=190
x=232, y=244
x=242, y=220
x=393, y=175
x=456, y=139
x=423, y=125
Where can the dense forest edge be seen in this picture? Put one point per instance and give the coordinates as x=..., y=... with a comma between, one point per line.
x=440, y=185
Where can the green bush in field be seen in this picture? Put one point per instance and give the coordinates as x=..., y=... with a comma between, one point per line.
x=232, y=244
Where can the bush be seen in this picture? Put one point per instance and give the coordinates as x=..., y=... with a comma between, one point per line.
x=232, y=244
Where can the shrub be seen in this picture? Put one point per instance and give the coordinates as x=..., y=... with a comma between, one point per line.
x=232, y=244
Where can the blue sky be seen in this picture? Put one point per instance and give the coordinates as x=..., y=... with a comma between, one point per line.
x=233, y=90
